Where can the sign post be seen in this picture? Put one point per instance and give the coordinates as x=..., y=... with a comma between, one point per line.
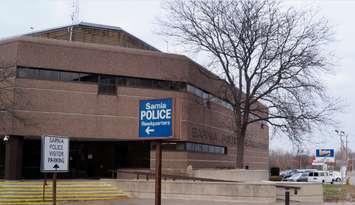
x=55, y=156
x=158, y=173
x=155, y=123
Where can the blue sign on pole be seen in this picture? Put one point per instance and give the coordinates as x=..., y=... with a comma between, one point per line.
x=155, y=118
x=325, y=153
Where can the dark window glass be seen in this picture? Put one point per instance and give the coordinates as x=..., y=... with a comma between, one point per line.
x=204, y=148
x=121, y=81
x=178, y=86
x=180, y=147
x=48, y=75
x=69, y=76
x=145, y=83
x=189, y=146
x=88, y=77
x=315, y=174
x=107, y=85
x=27, y=73
x=131, y=82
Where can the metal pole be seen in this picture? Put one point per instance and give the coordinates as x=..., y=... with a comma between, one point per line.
x=287, y=197
x=54, y=188
x=158, y=173
x=44, y=185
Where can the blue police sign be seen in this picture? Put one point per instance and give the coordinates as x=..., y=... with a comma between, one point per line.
x=325, y=153
x=155, y=118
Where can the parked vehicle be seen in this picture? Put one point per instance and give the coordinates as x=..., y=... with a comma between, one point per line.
x=319, y=176
x=287, y=174
x=335, y=175
x=299, y=177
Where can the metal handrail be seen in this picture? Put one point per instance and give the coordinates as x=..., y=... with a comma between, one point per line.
x=149, y=174
x=287, y=192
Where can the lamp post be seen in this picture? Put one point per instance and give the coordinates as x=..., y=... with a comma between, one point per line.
x=344, y=146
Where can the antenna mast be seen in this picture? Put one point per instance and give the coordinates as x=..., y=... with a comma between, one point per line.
x=74, y=17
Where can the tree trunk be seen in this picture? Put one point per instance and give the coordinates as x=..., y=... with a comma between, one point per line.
x=240, y=149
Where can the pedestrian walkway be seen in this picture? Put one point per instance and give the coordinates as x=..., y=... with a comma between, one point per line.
x=186, y=202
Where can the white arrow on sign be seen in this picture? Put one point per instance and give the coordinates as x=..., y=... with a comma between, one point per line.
x=148, y=130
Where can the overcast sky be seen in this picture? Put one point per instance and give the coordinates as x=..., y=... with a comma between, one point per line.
x=139, y=18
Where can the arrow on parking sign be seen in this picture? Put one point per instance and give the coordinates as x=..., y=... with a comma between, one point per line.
x=56, y=166
x=148, y=130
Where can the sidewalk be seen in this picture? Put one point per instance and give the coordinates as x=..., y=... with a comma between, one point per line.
x=185, y=202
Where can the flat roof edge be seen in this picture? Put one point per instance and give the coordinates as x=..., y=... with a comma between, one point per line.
x=86, y=45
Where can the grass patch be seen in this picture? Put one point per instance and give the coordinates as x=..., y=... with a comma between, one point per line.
x=338, y=192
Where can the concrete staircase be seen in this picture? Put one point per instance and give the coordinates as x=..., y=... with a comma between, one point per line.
x=31, y=192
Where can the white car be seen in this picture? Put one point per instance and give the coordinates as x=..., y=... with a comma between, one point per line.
x=336, y=176
x=319, y=176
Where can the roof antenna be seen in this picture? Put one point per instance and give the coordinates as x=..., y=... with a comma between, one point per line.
x=74, y=17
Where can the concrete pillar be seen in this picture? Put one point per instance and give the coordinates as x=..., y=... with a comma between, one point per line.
x=13, y=158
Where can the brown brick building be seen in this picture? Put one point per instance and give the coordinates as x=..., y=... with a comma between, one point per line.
x=85, y=82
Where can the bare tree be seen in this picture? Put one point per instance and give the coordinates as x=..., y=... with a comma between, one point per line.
x=271, y=59
x=288, y=160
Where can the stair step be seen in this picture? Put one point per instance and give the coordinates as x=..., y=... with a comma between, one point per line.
x=26, y=203
x=31, y=192
x=61, y=195
x=26, y=192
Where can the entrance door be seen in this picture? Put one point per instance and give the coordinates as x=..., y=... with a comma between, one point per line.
x=91, y=159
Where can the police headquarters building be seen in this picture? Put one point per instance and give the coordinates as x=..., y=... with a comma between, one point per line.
x=107, y=91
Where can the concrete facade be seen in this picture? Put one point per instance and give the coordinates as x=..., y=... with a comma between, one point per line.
x=78, y=111
x=213, y=191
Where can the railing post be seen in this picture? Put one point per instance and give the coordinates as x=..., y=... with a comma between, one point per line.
x=287, y=196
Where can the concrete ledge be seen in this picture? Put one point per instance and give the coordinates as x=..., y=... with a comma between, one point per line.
x=232, y=174
x=214, y=191
x=309, y=192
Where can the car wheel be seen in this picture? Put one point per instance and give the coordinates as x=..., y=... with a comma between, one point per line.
x=338, y=179
x=323, y=181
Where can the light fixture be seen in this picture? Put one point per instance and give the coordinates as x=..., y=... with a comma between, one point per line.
x=6, y=138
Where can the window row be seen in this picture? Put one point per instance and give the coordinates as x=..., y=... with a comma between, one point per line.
x=213, y=149
x=107, y=84
x=194, y=147
x=55, y=75
x=208, y=97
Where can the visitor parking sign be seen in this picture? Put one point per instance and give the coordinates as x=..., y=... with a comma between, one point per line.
x=55, y=154
x=155, y=118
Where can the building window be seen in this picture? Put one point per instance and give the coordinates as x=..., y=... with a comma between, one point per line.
x=208, y=97
x=27, y=73
x=107, y=85
x=48, y=75
x=205, y=148
x=89, y=78
x=69, y=76
x=55, y=75
x=193, y=147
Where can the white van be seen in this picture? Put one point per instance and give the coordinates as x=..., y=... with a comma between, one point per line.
x=319, y=176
